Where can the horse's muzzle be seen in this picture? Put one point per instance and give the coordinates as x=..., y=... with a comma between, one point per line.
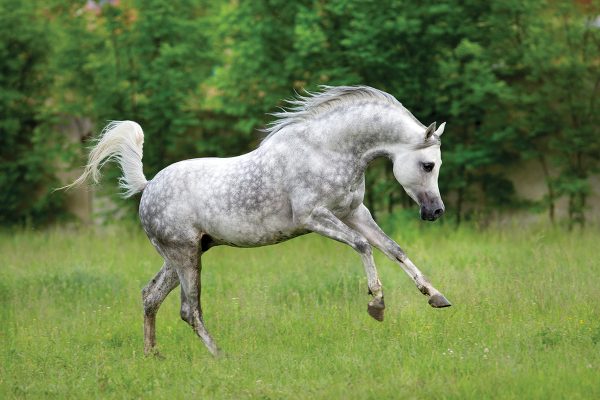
x=432, y=206
x=431, y=214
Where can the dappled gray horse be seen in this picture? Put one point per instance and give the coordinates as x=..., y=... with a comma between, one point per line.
x=308, y=175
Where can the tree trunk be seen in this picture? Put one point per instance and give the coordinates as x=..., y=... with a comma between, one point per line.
x=550, y=187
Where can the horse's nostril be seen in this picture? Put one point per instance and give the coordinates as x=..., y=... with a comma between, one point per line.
x=438, y=212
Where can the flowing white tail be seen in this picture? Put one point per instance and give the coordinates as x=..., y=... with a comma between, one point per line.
x=121, y=141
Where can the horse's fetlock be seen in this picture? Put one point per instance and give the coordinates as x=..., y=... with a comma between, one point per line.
x=378, y=291
x=423, y=289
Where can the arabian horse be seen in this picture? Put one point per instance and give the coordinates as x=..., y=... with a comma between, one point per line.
x=307, y=175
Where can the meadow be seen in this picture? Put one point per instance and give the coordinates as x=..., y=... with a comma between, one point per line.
x=292, y=320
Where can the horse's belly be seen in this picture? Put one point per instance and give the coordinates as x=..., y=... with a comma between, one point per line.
x=251, y=232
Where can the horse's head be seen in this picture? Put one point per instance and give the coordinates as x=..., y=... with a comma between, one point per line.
x=417, y=170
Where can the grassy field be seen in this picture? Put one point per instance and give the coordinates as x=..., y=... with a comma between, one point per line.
x=292, y=319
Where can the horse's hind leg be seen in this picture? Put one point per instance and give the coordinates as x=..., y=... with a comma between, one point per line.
x=152, y=296
x=185, y=258
x=191, y=309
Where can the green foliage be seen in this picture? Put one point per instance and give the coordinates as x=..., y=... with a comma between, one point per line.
x=26, y=143
x=143, y=62
x=557, y=49
x=515, y=80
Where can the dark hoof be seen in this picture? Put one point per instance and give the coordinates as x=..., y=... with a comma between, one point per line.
x=376, y=308
x=154, y=353
x=439, y=301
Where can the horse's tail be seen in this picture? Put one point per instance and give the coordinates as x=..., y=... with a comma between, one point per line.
x=121, y=141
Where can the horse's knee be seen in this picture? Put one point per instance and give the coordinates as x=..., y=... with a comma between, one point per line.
x=362, y=246
x=396, y=251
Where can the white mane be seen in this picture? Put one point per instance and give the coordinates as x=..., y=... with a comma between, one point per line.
x=304, y=107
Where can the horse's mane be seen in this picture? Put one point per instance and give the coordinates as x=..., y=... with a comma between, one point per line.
x=303, y=107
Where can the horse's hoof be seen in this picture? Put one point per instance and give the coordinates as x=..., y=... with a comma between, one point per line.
x=376, y=308
x=154, y=353
x=219, y=354
x=439, y=301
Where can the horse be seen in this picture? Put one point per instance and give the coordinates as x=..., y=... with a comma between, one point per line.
x=307, y=175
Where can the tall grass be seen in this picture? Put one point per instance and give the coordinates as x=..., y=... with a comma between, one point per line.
x=292, y=319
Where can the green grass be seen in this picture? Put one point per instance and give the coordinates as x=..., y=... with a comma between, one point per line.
x=292, y=319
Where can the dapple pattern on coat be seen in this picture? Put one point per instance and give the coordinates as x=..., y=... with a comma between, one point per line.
x=308, y=175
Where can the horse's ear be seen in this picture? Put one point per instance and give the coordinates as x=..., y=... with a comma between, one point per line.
x=429, y=131
x=440, y=130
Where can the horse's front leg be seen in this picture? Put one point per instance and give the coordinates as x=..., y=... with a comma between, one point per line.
x=324, y=222
x=361, y=220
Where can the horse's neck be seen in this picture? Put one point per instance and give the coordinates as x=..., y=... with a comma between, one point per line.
x=365, y=131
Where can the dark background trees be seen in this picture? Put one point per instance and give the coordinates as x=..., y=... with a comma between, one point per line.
x=515, y=80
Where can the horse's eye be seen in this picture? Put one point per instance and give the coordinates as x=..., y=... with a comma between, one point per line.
x=428, y=166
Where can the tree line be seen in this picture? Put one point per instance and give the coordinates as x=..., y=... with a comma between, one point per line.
x=515, y=80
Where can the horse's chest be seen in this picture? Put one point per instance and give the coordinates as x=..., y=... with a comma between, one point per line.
x=343, y=201
x=340, y=192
